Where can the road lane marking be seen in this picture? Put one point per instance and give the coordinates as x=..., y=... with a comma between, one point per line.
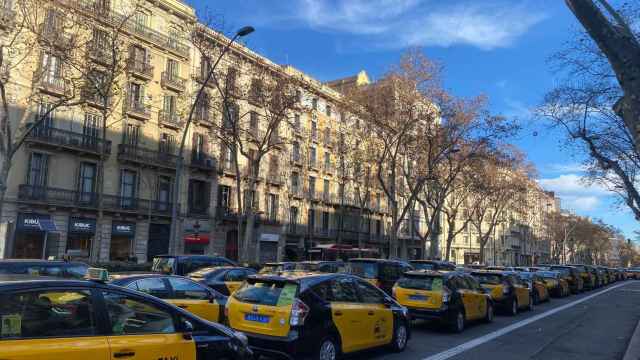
x=496, y=334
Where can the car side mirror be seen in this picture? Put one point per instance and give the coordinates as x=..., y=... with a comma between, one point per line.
x=187, y=330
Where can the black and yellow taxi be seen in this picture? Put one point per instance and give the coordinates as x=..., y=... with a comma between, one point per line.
x=508, y=292
x=452, y=298
x=435, y=265
x=537, y=286
x=223, y=279
x=593, y=271
x=382, y=273
x=295, y=314
x=276, y=267
x=572, y=275
x=184, y=264
x=588, y=281
x=323, y=266
x=633, y=273
x=557, y=285
x=183, y=292
x=61, y=319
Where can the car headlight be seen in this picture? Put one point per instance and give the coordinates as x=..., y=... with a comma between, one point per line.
x=242, y=338
x=405, y=311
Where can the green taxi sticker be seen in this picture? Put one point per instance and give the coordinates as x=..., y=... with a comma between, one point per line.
x=11, y=325
x=436, y=285
x=287, y=295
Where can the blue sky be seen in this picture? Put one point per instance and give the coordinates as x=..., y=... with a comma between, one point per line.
x=495, y=47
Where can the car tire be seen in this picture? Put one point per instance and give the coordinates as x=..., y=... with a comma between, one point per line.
x=457, y=323
x=327, y=349
x=488, y=317
x=513, y=307
x=531, y=303
x=400, y=337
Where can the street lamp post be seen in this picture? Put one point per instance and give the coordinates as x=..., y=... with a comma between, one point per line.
x=244, y=31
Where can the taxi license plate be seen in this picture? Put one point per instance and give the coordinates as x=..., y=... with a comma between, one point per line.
x=256, y=318
x=417, y=297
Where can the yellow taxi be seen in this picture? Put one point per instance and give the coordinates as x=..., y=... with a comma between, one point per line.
x=453, y=298
x=556, y=284
x=382, y=273
x=180, y=291
x=508, y=292
x=294, y=314
x=536, y=285
x=223, y=279
x=79, y=319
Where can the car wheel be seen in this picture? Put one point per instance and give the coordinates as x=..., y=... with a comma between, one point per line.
x=457, y=325
x=327, y=350
x=489, y=316
x=513, y=307
x=530, y=307
x=400, y=337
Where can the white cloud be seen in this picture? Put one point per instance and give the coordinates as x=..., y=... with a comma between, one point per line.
x=566, y=168
x=485, y=24
x=575, y=193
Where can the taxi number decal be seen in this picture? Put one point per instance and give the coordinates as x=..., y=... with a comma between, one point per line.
x=11, y=325
x=379, y=332
x=287, y=294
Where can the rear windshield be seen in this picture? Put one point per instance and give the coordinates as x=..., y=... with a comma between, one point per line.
x=307, y=266
x=423, y=266
x=429, y=283
x=488, y=279
x=270, y=293
x=163, y=264
x=367, y=270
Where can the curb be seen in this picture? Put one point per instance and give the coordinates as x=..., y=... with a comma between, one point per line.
x=633, y=350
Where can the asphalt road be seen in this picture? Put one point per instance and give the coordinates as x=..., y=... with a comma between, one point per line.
x=595, y=325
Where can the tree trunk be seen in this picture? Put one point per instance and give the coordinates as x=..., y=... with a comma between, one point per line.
x=248, y=231
x=243, y=256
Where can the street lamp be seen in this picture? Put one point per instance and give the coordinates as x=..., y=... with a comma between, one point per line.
x=244, y=31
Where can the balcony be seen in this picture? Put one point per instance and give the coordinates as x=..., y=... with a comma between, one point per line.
x=269, y=219
x=169, y=119
x=296, y=192
x=328, y=168
x=313, y=164
x=54, y=85
x=201, y=76
x=52, y=36
x=140, y=68
x=275, y=178
x=100, y=53
x=250, y=173
x=75, y=199
x=93, y=98
x=296, y=229
x=224, y=213
x=327, y=141
x=106, y=15
x=327, y=198
x=173, y=81
x=146, y=157
x=255, y=134
x=312, y=195
x=298, y=130
x=7, y=17
x=68, y=140
x=137, y=109
x=203, y=116
x=203, y=163
x=296, y=159
x=314, y=135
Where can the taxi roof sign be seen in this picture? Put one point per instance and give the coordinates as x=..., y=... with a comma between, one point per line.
x=97, y=274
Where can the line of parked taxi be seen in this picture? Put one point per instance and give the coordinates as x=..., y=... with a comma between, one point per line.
x=317, y=309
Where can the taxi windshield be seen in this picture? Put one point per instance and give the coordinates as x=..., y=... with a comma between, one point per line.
x=270, y=293
x=163, y=264
x=429, y=283
x=367, y=270
x=205, y=272
x=490, y=279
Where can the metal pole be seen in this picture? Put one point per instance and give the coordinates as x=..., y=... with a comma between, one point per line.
x=44, y=246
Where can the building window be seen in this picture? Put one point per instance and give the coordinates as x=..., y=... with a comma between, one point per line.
x=251, y=200
x=295, y=182
x=131, y=135
x=313, y=157
x=86, y=182
x=173, y=68
x=326, y=188
x=128, y=182
x=140, y=20
x=136, y=96
x=164, y=191
x=314, y=103
x=167, y=143
x=203, y=107
x=325, y=220
x=312, y=185
x=255, y=92
x=253, y=122
x=293, y=216
x=311, y=219
x=272, y=207
x=328, y=110
x=52, y=70
x=91, y=128
x=227, y=157
x=295, y=151
x=298, y=96
x=327, y=160
x=169, y=107
x=198, y=197
x=198, y=147
x=297, y=126
x=224, y=197
x=314, y=130
x=37, y=175
x=230, y=81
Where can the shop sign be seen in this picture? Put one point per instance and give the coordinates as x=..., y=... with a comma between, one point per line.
x=30, y=222
x=82, y=225
x=123, y=229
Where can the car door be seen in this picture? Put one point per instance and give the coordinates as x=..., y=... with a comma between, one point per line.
x=478, y=296
x=194, y=297
x=52, y=324
x=348, y=314
x=466, y=294
x=141, y=329
x=521, y=289
x=379, y=315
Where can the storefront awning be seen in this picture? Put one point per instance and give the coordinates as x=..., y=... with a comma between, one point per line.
x=197, y=239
